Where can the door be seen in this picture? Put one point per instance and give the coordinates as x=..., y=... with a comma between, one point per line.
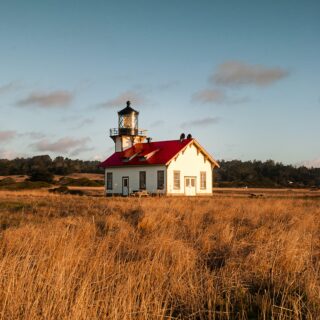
x=125, y=186
x=190, y=186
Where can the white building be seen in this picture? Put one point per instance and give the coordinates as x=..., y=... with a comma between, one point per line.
x=174, y=167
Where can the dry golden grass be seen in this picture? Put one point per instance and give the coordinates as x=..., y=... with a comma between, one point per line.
x=91, y=176
x=70, y=257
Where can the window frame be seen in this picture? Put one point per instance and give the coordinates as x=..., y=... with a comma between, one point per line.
x=109, y=180
x=178, y=186
x=142, y=174
x=203, y=180
x=160, y=186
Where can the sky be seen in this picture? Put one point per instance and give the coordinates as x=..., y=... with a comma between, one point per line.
x=243, y=77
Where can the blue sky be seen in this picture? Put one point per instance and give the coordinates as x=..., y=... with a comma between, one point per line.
x=242, y=76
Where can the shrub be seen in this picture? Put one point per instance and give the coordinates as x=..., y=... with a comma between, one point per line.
x=25, y=185
x=7, y=181
x=81, y=182
x=41, y=174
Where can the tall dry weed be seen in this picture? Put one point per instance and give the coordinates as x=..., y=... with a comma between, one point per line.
x=64, y=257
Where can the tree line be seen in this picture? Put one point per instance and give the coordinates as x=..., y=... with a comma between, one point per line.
x=234, y=173
x=58, y=166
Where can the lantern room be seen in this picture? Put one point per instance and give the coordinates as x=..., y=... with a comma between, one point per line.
x=128, y=120
x=128, y=133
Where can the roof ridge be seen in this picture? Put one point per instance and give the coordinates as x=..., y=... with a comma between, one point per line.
x=165, y=141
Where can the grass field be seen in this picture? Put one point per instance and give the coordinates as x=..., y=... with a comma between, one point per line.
x=220, y=257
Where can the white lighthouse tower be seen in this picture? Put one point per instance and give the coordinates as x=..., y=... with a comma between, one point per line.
x=128, y=133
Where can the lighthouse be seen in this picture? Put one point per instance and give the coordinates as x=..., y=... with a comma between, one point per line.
x=128, y=133
x=142, y=167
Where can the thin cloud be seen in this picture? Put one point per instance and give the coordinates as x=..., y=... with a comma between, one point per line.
x=83, y=123
x=315, y=163
x=80, y=150
x=201, y=122
x=209, y=96
x=98, y=157
x=33, y=135
x=217, y=96
x=55, y=99
x=63, y=145
x=168, y=85
x=8, y=87
x=157, y=123
x=237, y=73
x=71, y=118
x=119, y=101
x=240, y=100
x=7, y=135
x=10, y=154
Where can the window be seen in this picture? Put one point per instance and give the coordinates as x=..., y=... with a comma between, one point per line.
x=109, y=180
x=142, y=180
x=160, y=179
x=203, y=180
x=176, y=180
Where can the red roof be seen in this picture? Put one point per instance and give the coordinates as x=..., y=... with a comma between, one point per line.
x=160, y=152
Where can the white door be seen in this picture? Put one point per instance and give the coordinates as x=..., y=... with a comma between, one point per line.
x=125, y=186
x=190, y=186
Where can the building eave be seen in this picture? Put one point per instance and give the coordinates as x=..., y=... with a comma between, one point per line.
x=137, y=165
x=178, y=153
x=209, y=157
x=201, y=149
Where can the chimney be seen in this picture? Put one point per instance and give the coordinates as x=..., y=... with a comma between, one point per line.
x=189, y=136
x=149, y=139
x=182, y=137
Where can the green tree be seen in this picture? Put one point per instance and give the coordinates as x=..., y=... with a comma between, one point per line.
x=41, y=174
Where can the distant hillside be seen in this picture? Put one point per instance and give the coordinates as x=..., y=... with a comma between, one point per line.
x=234, y=173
